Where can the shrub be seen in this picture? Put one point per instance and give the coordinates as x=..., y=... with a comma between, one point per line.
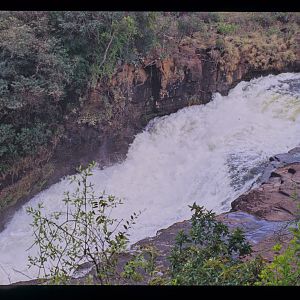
x=220, y=44
x=211, y=17
x=48, y=60
x=146, y=23
x=273, y=30
x=226, y=28
x=211, y=255
x=264, y=19
x=283, y=17
x=28, y=139
x=84, y=232
x=15, y=144
x=189, y=24
x=285, y=269
x=7, y=135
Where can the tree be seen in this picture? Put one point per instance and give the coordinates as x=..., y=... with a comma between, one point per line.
x=84, y=232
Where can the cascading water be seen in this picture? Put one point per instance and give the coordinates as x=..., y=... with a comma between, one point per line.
x=208, y=154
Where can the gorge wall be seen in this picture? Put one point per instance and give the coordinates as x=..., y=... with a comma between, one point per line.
x=125, y=104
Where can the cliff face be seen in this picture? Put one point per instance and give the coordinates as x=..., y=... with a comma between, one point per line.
x=194, y=71
x=190, y=75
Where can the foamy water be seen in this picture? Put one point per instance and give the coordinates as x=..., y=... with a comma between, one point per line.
x=206, y=154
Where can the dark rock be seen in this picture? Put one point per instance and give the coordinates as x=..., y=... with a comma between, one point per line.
x=273, y=201
x=292, y=171
x=164, y=241
x=280, y=160
x=274, y=174
x=295, y=151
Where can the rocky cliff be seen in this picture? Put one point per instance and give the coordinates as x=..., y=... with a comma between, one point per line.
x=116, y=110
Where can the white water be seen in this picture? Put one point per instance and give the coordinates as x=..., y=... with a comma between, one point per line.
x=206, y=153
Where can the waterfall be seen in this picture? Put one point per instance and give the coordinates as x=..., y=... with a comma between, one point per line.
x=208, y=154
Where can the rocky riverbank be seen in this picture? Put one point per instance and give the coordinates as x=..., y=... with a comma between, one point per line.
x=276, y=199
x=264, y=214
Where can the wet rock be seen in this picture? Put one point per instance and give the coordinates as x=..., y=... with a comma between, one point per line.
x=295, y=151
x=280, y=160
x=276, y=199
x=164, y=242
x=256, y=229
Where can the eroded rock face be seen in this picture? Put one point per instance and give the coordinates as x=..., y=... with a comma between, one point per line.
x=195, y=70
x=275, y=200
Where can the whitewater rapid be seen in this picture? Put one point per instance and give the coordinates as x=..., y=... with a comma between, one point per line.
x=208, y=154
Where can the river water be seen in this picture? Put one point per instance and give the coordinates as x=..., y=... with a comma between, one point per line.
x=208, y=154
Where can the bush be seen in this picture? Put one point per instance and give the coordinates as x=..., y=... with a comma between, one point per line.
x=264, y=19
x=211, y=255
x=285, y=268
x=211, y=17
x=283, y=17
x=146, y=23
x=220, y=44
x=189, y=24
x=48, y=61
x=15, y=144
x=273, y=30
x=7, y=136
x=226, y=28
x=84, y=232
x=29, y=139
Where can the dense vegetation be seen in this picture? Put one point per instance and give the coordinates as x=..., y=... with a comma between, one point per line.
x=50, y=60
x=209, y=254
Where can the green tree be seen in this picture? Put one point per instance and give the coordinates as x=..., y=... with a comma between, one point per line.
x=211, y=255
x=84, y=232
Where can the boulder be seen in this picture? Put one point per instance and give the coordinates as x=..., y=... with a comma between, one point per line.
x=275, y=200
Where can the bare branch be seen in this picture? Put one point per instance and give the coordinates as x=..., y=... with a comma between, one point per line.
x=106, y=50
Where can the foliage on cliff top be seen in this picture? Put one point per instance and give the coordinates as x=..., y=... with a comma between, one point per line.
x=48, y=62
